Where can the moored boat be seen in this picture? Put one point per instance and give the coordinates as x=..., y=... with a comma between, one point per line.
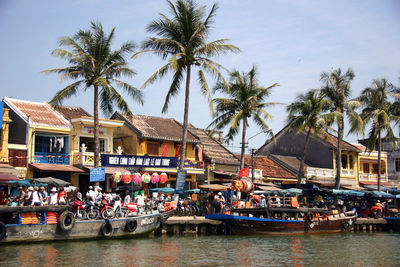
x=284, y=220
x=46, y=223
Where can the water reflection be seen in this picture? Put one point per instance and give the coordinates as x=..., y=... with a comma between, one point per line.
x=354, y=249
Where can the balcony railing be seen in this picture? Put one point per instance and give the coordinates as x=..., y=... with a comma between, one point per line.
x=319, y=173
x=369, y=177
x=41, y=157
x=84, y=158
x=348, y=172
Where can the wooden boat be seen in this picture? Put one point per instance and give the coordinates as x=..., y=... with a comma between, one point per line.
x=22, y=224
x=393, y=223
x=285, y=218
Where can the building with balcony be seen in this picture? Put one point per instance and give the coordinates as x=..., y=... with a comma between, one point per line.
x=39, y=143
x=82, y=142
x=320, y=166
x=393, y=159
x=154, y=136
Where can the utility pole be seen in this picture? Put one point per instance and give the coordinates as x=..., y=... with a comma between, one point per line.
x=252, y=165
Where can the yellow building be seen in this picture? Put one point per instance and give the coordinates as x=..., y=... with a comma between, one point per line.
x=154, y=136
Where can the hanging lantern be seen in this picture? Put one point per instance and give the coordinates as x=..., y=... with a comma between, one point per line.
x=117, y=177
x=155, y=178
x=137, y=178
x=146, y=177
x=127, y=178
x=163, y=178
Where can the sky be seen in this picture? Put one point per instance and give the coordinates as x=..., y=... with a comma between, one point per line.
x=290, y=43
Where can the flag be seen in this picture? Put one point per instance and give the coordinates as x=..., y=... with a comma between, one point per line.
x=177, y=151
x=200, y=154
x=164, y=153
x=244, y=172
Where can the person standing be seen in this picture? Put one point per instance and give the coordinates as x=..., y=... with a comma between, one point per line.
x=28, y=196
x=140, y=202
x=36, y=201
x=127, y=198
x=53, y=196
x=21, y=197
x=62, y=197
x=263, y=203
x=44, y=196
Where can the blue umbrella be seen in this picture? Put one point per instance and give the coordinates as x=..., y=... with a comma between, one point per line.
x=291, y=191
x=166, y=190
x=381, y=194
x=25, y=183
x=192, y=191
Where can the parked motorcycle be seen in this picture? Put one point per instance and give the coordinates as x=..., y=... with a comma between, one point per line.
x=79, y=210
x=107, y=211
x=93, y=212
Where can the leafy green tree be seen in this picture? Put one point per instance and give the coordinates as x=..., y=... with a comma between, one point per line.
x=182, y=39
x=337, y=89
x=307, y=113
x=245, y=100
x=380, y=112
x=93, y=64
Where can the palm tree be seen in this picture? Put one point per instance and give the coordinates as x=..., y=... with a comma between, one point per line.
x=306, y=113
x=337, y=90
x=182, y=39
x=245, y=100
x=381, y=112
x=93, y=63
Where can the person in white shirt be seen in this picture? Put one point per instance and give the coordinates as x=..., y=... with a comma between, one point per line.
x=53, y=196
x=127, y=198
x=36, y=199
x=140, y=202
x=91, y=195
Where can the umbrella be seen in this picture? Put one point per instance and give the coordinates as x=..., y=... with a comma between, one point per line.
x=214, y=187
x=167, y=190
x=192, y=191
x=381, y=194
x=25, y=183
x=292, y=191
x=52, y=181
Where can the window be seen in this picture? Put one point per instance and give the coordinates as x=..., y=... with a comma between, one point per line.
x=397, y=164
x=152, y=148
x=351, y=162
x=89, y=143
x=365, y=167
x=344, y=161
x=375, y=168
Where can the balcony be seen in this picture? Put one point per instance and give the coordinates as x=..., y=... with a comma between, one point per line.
x=51, y=158
x=321, y=173
x=348, y=172
x=84, y=158
x=370, y=177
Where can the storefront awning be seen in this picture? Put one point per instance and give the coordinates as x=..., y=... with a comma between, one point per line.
x=4, y=177
x=213, y=187
x=55, y=167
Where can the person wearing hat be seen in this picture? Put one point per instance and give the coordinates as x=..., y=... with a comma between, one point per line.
x=44, y=196
x=263, y=203
x=53, y=196
x=28, y=196
x=36, y=201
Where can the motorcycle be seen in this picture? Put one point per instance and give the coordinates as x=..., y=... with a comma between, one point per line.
x=79, y=210
x=107, y=211
x=130, y=209
x=93, y=212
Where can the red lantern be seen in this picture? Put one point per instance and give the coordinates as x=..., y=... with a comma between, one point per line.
x=155, y=178
x=127, y=178
x=163, y=178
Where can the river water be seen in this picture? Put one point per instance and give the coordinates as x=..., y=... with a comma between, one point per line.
x=350, y=249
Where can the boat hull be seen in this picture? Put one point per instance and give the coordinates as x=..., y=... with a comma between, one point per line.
x=92, y=229
x=393, y=223
x=263, y=226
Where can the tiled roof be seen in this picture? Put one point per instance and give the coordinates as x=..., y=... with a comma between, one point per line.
x=360, y=146
x=332, y=141
x=269, y=167
x=213, y=150
x=291, y=163
x=155, y=128
x=71, y=112
x=38, y=113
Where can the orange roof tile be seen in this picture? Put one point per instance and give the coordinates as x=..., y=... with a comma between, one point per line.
x=269, y=167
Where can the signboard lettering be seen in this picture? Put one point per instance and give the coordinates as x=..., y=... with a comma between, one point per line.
x=97, y=174
x=138, y=161
x=180, y=181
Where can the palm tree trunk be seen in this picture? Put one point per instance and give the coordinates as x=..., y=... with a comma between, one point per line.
x=185, y=120
x=96, y=127
x=379, y=161
x=300, y=174
x=339, y=154
x=243, y=143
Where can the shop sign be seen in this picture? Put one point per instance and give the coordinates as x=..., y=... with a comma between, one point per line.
x=90, y=130
x=180, y=181
x=108, y=160
x=97, y=174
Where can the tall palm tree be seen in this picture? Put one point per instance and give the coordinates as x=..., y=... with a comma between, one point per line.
x=337, y=89
x=306, y=113
x=95, y=65
x=381, y=112
x=182, y=39
x=245, y=100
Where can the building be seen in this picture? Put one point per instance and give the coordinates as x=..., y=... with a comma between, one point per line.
x=158, y=137
x=39, y=141
x=222, y=165
x=320, y=161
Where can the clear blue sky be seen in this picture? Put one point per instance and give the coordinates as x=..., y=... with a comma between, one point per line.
x=291, y=42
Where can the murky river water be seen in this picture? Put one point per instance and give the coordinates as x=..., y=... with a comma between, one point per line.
x=352, y=249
